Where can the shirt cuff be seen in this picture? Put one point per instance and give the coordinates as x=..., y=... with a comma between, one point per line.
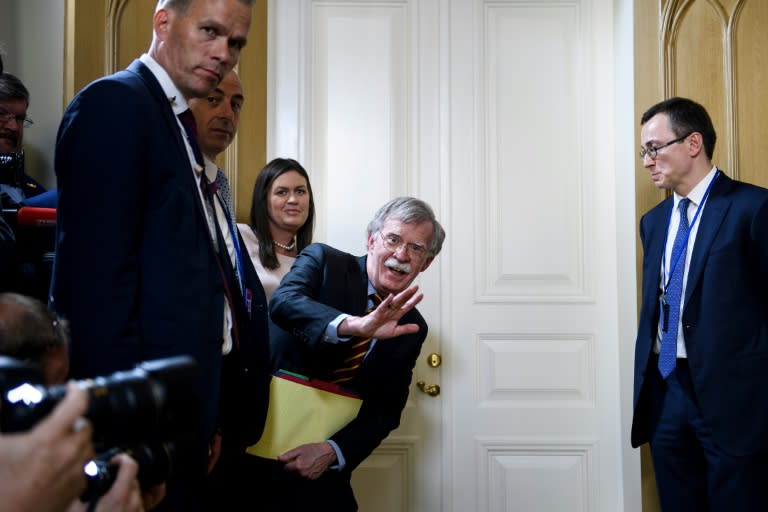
x=332, y=331
x=341, y=462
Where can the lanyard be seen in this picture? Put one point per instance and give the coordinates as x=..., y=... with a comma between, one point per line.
x=235, y=245
x=684, y=245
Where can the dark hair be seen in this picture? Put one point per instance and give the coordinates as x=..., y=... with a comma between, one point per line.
x=28, y=329
x=685, y=116
x=409, y=210
x=11, y=87
x=260, y=210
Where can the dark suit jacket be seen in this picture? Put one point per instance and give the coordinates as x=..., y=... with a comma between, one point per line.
x=724, y=318
x=135, y=272
x=322, y=284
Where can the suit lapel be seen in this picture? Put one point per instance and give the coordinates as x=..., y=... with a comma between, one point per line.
x=654, y=240
x=164, y=106
x=712, y=216
x=171, y=123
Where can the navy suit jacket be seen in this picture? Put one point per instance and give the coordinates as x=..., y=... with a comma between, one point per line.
x=322, y=284
x=724, y=317
x=135, y=269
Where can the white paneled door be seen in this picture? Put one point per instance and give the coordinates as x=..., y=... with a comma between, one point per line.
x=500, y=114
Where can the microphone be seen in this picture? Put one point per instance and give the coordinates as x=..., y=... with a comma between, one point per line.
x=36, y=217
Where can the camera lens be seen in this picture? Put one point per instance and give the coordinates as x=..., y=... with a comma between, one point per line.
x=151, y=401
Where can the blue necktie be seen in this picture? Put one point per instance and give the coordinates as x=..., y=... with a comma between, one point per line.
x=673, y=296
x=222, y=187
x=222, y=184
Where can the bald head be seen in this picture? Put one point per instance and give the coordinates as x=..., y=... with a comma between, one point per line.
x=218, y=115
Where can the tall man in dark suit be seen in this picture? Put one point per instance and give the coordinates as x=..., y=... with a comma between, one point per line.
x=143, y=269
x=320, y=307
x=701, y=360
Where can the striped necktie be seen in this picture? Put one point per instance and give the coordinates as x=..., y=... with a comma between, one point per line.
x=358, y=347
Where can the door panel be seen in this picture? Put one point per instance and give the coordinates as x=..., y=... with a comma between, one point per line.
x=346, y=103
x=491, y=111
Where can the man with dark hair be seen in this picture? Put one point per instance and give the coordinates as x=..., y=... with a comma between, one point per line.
x=351, y=321
x=701, y=355
x=32, y=333
x=142, y=268
x=25, y=253
x=15, y=184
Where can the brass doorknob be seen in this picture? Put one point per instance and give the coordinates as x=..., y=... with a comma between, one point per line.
x=430, y=389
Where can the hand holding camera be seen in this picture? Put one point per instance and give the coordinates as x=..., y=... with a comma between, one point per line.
x=41, y=469
x=144, y=412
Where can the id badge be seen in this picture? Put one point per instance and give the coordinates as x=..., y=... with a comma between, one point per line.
x=248, y=301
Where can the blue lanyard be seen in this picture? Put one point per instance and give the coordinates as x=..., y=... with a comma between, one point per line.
x=235, y=245
x=684, y=245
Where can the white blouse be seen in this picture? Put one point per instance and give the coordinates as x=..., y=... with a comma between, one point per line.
x=270, y=279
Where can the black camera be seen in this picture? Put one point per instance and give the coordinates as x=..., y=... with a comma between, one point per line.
x=148, y=412
x=12, y=168
x=157, y=460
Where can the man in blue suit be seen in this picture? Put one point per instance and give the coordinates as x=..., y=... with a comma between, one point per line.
x=701, y=355
x=144, y=268
x=324, y=307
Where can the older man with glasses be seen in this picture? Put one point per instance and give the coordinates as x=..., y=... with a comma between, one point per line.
x=701, y=354
x=350, y=321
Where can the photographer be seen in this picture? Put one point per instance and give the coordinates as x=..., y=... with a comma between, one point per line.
x=48, y=460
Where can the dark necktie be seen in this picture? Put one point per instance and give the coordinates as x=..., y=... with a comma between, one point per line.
x=673, y=295
x=187, y=119
x=358, y=347
x=209, y=190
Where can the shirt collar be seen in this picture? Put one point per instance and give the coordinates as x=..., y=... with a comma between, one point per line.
x=697, y=194
x=175, y=98
x=211, y=169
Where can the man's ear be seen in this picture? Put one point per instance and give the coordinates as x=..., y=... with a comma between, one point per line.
x=161, y=23
x=695, y=143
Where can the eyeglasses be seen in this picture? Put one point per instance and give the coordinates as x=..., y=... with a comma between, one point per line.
x=6, y=117
x=651, y=151
x=394, y=243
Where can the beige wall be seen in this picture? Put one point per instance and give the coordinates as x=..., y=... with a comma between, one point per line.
x=35, y=56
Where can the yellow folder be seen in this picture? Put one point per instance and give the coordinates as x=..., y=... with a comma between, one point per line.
x=301, y=412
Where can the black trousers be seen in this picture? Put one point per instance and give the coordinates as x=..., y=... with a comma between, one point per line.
x=693, y=473
x=270, y=488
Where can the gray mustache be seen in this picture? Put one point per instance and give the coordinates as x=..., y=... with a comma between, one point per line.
x=396, y=265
